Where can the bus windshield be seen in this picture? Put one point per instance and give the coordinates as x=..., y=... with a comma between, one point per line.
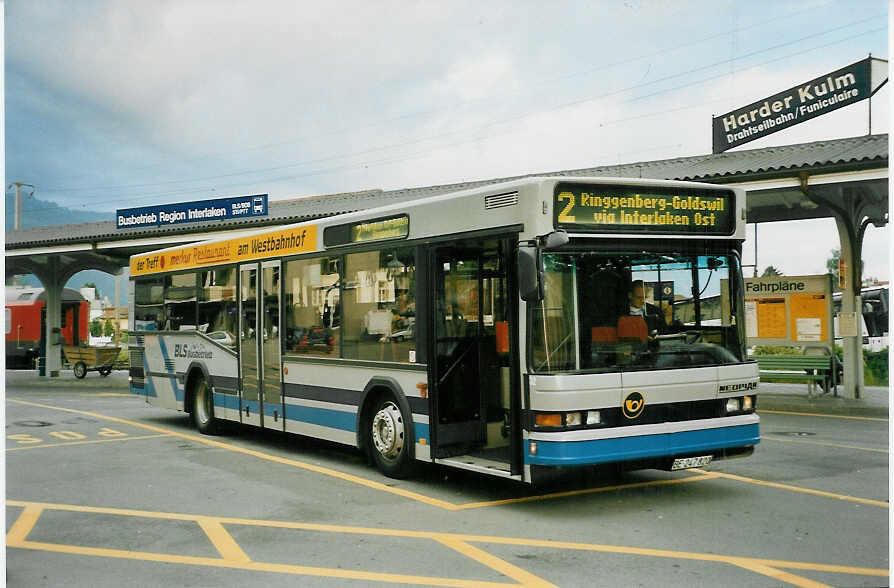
x=605, y=311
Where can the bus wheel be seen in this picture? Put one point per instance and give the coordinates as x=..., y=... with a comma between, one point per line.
x=203, y=408
x=388, y=442
x=80, y=370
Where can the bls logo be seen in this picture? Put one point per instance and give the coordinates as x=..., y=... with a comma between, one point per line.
x=633, y=405
x=180, y=350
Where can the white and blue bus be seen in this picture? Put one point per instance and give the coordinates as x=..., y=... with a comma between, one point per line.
x=513, y=329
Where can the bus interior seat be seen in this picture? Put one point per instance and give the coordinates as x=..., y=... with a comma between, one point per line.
x=632, y=329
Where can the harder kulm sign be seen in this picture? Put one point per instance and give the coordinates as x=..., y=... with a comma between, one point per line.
x=803, y=102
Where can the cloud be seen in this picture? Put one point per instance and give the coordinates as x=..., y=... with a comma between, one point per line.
x=126, y=103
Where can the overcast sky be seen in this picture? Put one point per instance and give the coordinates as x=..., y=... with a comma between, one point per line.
x=120, y=104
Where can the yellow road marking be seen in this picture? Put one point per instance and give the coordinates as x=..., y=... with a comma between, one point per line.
x=357, y=479
x=523, y=577
x=822, y=443
x=827, y=416
x=223, y=541
x=281, y=460
x=24, y=524
x=42, y=445
x=459, y=542
x=780, y=575
x=799, y=489
x=699, y=478
x=258, y=566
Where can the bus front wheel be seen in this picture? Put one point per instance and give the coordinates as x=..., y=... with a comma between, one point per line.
x=203, y=408
x=388, y=438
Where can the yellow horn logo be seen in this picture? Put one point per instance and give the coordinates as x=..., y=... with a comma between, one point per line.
x=633, y=405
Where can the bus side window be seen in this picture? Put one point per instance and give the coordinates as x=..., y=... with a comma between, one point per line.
x=380, y=306
x=312, y=307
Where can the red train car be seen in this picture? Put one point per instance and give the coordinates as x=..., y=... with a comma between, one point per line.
x=26, y=322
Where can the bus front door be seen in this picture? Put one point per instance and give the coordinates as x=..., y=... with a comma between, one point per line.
x=470, y=377
x=259, y=347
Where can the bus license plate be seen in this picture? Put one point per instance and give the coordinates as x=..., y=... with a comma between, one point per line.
x=685, y=463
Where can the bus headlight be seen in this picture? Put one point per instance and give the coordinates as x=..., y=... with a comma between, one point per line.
x=748, y=403
x=733, y=405
x=572, y=419
x=593, y=417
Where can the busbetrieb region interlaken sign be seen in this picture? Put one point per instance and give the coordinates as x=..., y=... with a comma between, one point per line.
x=801, y=103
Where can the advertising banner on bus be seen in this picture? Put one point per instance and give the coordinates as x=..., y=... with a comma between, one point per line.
x=192, y=212
x=268, y=244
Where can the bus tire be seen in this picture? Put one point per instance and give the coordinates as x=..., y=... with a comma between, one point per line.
x=80, y=370
x=388, y=438
x=203, y=408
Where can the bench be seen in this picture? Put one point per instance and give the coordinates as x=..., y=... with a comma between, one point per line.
x=799, y=368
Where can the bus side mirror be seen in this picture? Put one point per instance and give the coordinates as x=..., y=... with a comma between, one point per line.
x=530, y=284
x=555, y=240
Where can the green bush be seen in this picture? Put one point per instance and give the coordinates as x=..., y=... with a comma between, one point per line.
x=875, y=367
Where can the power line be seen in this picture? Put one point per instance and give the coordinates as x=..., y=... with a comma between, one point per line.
x=464, y=103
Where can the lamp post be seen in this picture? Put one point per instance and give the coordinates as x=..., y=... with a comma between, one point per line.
x=17, y=221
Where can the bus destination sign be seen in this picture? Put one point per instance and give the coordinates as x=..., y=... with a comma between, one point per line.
x=394, y=227
x=580, y=207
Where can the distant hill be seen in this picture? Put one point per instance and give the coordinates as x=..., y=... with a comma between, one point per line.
x=43, y=213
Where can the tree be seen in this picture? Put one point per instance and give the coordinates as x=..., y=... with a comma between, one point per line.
x=109, y=328
x=832, y=268
x=771, y=272
x=96, y=327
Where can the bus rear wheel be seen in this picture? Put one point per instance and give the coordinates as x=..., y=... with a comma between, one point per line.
x=388, y=438
x=203, y=408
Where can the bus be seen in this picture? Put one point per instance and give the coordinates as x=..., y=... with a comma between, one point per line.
x=874, y=326
x=517, y=329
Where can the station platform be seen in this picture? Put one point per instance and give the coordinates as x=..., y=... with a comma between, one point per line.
x=794, y=398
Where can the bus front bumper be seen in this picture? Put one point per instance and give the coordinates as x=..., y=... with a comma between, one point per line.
x=707, y=437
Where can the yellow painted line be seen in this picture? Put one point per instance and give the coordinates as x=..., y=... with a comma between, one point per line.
x=281, y=460
x=357, y=479
x=707, y=557
x=523, y=577
x=826, y=416
x=42, y=445
x=454, y=541
x=770, y=437
x=780, y=575
x=258, y=566
x=800, y=489
x=23, y=525
x=224, y=543
x=699, y=478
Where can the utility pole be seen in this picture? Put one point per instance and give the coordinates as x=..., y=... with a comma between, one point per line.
x=17, y=222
